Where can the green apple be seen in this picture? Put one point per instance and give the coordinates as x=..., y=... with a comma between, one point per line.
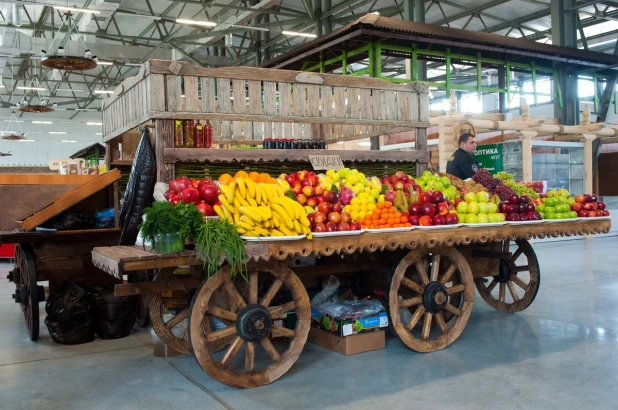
x=445, y=182
x=343, y=172
x=549, y=210
x=501, y=217
x=425, y=178
x=472, y=219
x=570, y=200
x=493, y=218
x=483, y=219
x=435, y=178
x=362, y=178
x=572, y=214
x=428, y=173
x=473, y=208
x=470, y=197
x=461, y=218
x=493, y=208
x=549, y=216
x=483, y=208
x=335, y=177
x=559, y=215
x=426, y=188
x=542, y=215
x=564, y=193
x=437, y=185
x=420, y=183
x=462, y=208
x=540, y=208
x=482, y=196
x=552, y=193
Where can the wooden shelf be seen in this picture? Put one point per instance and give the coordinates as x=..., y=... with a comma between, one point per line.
x=120, y=162
x=173, y=155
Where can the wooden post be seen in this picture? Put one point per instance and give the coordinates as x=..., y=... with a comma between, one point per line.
x=453, y=103
x=526, y=155
x=588, y=152
x=164, y=138
x=446, y=141
x=421, y=145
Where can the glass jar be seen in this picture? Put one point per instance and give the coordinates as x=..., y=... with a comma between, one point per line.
x=169, y=243
x=288, y=143
x=198, y=135
x=178, y=143
x=281, y=143
x=293, y=144
x=208, y=134
x=187, y=133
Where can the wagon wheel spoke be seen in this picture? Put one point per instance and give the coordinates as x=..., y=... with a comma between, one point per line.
x=452, y=309
x=220, y=334
x=420, y=268
x=249, y=356
x=512, y=290
x=441, y=323
x=270, y=349
x=268, y=297
x=524, y=268
x=516, y=255
x=448, y=274
x=492, y=285
x=456, y=289
x=278, y=311
x=501, y=295
x=283, y=331
x=415, y=318
x=412, y=285
x=222, y=313
x=435, y=268
x=173, y=322
x=406, y=303
x=232, y=351
x=519, y=282
x=253, y=288
x=234, y=294
x=427, y=325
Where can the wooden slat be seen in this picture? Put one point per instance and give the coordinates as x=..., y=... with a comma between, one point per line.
x=365, y=109
x=225, y=105
x=285, y=106
x=143, y=288
x=339, y=109
x=43, y=179
x=192, y=102
x=313, y=110
x=403, y=113
x=208, y=94
x=327, y=111
x=299, y=108
x=240, y=107
x=270, y=106
x=172, y=88
x=390, y=105
x=413, y=102
x=424, y=106
x=255, y=107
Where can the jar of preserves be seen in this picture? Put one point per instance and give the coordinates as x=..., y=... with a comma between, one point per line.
x=208, y=134
x=187, y=133
x=198, y=135
x=178, y=143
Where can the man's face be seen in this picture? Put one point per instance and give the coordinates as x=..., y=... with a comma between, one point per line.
x=469, y=146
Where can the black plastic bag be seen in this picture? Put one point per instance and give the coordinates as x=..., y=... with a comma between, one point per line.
x=114, y=317
x=70, y=221
x=138, y=194
x=68, y=315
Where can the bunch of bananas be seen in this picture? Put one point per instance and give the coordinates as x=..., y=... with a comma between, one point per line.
x=261, y=209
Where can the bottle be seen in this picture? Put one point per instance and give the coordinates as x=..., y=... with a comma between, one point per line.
x=198, y=135
x=178, y=143
x=208, y=134
x=187, y=133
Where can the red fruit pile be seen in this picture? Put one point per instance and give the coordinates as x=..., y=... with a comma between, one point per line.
x=519, y=209
x=203, y=193
x=331, y=218
x=432, y=209
x=307, y=188
x=589, y=206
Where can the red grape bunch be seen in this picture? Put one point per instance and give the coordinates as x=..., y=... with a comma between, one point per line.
x=493, y=185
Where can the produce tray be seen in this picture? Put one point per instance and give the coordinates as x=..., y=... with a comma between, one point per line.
x=389, y=230
x=437, y=227
x=342, y=233
x=553, y=221
x=484, y=225
x=515, y=223
x=271, y=238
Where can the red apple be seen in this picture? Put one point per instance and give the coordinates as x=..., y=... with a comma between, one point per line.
x=325, y=207
x=334, y=217
x=400, y=174
x=531, y=216
x=320, y=199
x=425, y=220
x=331, y=227
x=205, y=209
x=592, y=214
x=312, y=201
x=319, y=217
x=311, y=218
x=394, y=179
x=337, y=207
x=318, y=189
x=605, y=212
x=514, y=200
x=297, y=189
x=418, y=189
x=537, y=216
x=318, y=227
x=593, y=198
x=300, y=175
x=346, y=217
x=583, y=213
x=175, y=199
x=331, y=196
x=513, y=217
x=408, y=187
x=577, y=206
x=168, y=194
x=588, y=206
x=428, y=209
x=398, y=186
x=587, y=198
x=414, y=219
x=404, y=178
x=503, y=207
x=522, y=208
x=343, y=226
x=190, y=194
x=523, y=217
x=512, y=209
x=425, y=198
x=385, y=180
x=457, y=201
x=438, y=220
x=301, y=199
x=180, y=184
x=307, y=190
x=450, y=219
x=436, y=197
x=209, y=192
x=441, y=209
x=580, y=199
x=595, y=205
x=601, y=206
x=291, y=179
x=355, y=227
x=314, y=180
x=305, y=182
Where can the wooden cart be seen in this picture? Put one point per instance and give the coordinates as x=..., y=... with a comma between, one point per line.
x=428, y=275
x=55, y=256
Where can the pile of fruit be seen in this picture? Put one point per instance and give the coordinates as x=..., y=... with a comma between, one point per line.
x=432, y=209
x=384, y=216
x=519, y=208
x=203, y=193
x=330, y=217
x=477, y=209
x=588, y=206
x=519, y=189
x=493, y=185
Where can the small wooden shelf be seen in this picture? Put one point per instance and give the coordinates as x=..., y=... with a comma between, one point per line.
x=120, y=162
x=173, y=155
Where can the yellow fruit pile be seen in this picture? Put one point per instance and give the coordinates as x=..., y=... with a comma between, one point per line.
x=261, y=209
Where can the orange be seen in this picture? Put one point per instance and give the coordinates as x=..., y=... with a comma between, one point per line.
x=273, y=180
x=242, y=174
x=380, y=205
x=387, y=204
x=264, y=177
x=254, y=176
x=225, y=179
x=403, y=219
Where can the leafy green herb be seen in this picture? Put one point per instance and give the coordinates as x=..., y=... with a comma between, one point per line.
x=192, y=219
x=164, y=218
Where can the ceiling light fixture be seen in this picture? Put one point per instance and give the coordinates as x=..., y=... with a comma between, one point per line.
x=57, y=132
x=122, y=13
x=105, y=62
x=26, y=140
x=42, y=122
x=69, y=90
x=251, y=28
x=69, y=141
x=19, y=87
x=103, y=92
x=296, y=33
x=196, y=22
x=94, y=123
x=63, y=8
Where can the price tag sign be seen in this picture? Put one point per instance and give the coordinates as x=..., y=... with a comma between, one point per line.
x=320, y=162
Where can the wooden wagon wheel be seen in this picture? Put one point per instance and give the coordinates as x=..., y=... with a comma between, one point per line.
x=434, y=276
x=519, y=273
x=251, y=324
x=142, y=311
x=27, y=292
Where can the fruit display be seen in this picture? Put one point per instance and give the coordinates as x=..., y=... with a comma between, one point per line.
x=432, y=209
x=588, y=206
x=464, y=186
x=331, y=217
x=557, y=205
x=203, y=193
x=519, y=208
x=476, y=208
x=493, y=185
x=385, y=216
x=518, y=188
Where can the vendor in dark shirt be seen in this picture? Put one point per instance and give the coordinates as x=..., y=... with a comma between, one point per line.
x=462, y=164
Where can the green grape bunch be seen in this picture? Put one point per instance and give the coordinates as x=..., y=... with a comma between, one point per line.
x=520, y=189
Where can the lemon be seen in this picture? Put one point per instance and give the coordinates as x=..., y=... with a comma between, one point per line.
x=354, y=201
x=364, y=208
x=355, y=216
x=371, y=207
x=381, y=198
x=330, y=172
x=347, y=208
x=371, y=200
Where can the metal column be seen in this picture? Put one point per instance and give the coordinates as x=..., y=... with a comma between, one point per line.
x=564, y=34
x=414, y=10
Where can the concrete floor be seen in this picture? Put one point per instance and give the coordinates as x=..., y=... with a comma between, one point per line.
x=559, y=353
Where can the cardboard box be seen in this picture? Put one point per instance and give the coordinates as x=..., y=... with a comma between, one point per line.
x=348, y=327
x=364, y=342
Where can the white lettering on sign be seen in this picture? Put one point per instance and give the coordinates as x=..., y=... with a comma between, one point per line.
x=326, y=162
x=490, y=151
